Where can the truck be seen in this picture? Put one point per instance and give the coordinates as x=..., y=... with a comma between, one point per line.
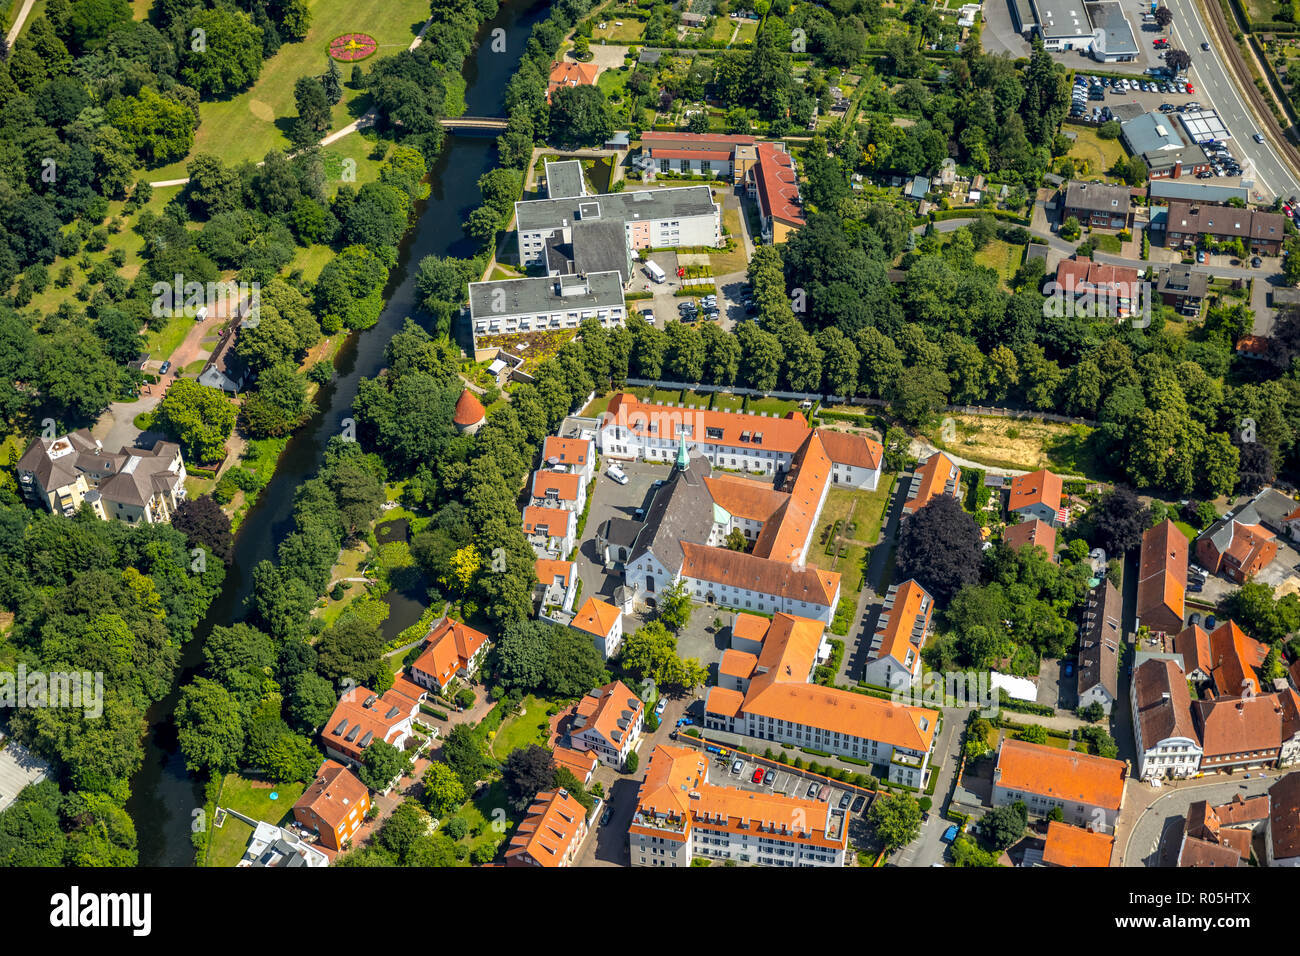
x=655, y=273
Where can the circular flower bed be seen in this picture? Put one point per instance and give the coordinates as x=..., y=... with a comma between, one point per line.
x=353, y=47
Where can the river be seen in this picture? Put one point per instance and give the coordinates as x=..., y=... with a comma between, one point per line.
x=164, y=796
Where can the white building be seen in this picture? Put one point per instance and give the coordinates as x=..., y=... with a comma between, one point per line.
x=1166, y=738
x=652, y=219
x=608, y=722
x=539, y=304
x=552, y=531
x=1088, y=790
x=680, y=815
x=604, y=622
x=894, y=658
x=558, y=489
x=576, y=454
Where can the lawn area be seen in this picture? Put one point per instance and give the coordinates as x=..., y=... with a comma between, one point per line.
x=698, y=399
x=1186, y=529
x=1002, y=257
x=1099, y=154
x=618, y=32
x=262, y=113
x=598, y=405
x=349, y=566
x=868, y=510
x=771, y=406
x=734, y=259
x=162, y=342
x=253, y=799
x=1009, y=443
x=311, y=260
x=480, y=814
x=521, y=730
x=728, y=402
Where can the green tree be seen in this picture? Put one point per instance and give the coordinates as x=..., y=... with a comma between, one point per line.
x=675, y=606
x=895, y=820
x=209, y=727
x=443, y=792
x=199, y=418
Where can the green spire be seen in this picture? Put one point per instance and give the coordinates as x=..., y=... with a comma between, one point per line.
x=683, y=462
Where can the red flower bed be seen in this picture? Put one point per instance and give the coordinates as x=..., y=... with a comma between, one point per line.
x=353, y=47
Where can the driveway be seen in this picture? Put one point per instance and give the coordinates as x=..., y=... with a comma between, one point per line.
x=609, y=499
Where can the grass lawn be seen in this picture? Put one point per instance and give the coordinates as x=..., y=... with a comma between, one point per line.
x=698, y=399
x=520, y=731
x=349, y=566
x=868, y=511
x=262, y=114
x=598, y=405
x=480, y=814
x=1099, y=154
x=1009, y=443
x=1186, y=529
x=728, y=402
x=772, y=406
x=311, y=260
x=733, y=260
x=618, y=32
x=237, y=793
x=1002, y=257
x=162, y=342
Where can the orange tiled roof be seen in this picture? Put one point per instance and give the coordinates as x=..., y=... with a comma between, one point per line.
x=1162, y=572
x=362, y=717
x=1064, y=775
x=724, y=701
x=555, y=521
x=789, y=648
x=1075, y=846
x=548, y=569
x=1194, y=646
x=1234, y=657
x=564, y=484
x=777, y=434
x=845, y=448
x=605, y=707
x=778, y=185
x=810, y=471
x=745, y=497
x=1036, y=532
x=596, y=617
x=570, y=74
x=935, y=474
x=447, y=648
x=1036, y=488
x=843, y=711
x=468, y=409
x=912, y=605
x=569, y=451
x=737, y=663
x=1239, y=725
x=554, y=822
x=749, y=571
x=333, y=794
x=750, y=627
x=579, y=762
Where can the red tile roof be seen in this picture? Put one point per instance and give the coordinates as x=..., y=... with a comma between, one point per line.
x=333, y=794
x=1036, y=488
x=1162, y=577
x=1074, y=846
x=550, y=832
x=597, y=617
x=778, y=185
x=448, y=648
x=1065, y=775
x=469, y=410
x=1037, y=532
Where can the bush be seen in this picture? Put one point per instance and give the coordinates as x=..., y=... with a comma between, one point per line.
x=456, y=828
x=465, y=698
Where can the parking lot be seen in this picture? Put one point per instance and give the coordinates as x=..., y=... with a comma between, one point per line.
x=731, y=298
x=786, y=781
x=609, y=499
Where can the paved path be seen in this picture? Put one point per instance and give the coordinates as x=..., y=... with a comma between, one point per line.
x=17, y=28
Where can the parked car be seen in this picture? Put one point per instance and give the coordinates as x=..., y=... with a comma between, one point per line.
x=1192, y=89
x=616, y=473
x=1200, y=257
x=163, y=369
x=1256, y=262
x=812, y=789
x=738, y=766
x=1211, y=623
x=949, y=834
x=606, y=816
x=824, y=792
x=1205, y=46
x=758, y=775
x=845, y=799
x=858, y=804
x=661, y=707
x=768, y=778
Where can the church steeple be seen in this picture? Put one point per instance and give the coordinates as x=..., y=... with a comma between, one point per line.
x=683, y=461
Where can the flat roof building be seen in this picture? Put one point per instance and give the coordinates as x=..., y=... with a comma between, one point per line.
x=507, y=306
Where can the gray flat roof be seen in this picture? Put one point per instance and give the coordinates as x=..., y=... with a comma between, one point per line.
x=641, y=204
x=564, y=179
x=1062, y=18
x=542, y=294
x=1152, y=133
x=1197, y=192
x=1116, y=33
x=1024, y=15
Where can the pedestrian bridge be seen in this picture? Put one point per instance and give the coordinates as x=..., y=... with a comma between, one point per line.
x=470, y=123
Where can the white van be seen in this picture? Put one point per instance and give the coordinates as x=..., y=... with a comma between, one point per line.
x=617, y=473
x=201, y=314
x=654, y=272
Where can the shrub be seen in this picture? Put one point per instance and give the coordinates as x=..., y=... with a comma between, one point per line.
x=456, y=828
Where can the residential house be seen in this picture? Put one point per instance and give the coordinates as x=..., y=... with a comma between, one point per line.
x=608, y=722
x=1036, y=495
x=1239, y=732
x=581, y=763
x=1231, y=825
x=1033, y=533
x=1089, y=790
x=1192, y=644
x=551, y=531
x=576, y=454
x=551, y=832
x=334, y=805
x=1096, y=288
x=1099, y=643
x=937, y=475
x=1236, y=549
x=774, y=182
x=134, y=485
x=361, y=717
x=570, y=74
x=558, y=489
x=1234, y=659
x=275, y=847
x=1282, y=833
x=604, y=622
x=556, y=580
x=1168, y=744
x=1097, y=205
x=1076, y=846
x=1195, y=852
x=894, y=658
x=225, y=370
x=1162, y=578
x=775, y=701
x=1183, y=289
x=451, y=650
x=680, y=815
x=1260, y=232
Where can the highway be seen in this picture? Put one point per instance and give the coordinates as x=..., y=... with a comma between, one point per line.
x=1210, y=76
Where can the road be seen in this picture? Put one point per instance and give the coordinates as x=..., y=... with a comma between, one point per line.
x=1161, y=816
x=1211, y=76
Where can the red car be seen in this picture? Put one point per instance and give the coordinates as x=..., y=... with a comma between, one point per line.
x=1190, y=88
x=758, y=775
x=1159, y=43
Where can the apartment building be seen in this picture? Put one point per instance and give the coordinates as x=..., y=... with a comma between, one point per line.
x=545, y=303
x=1162, y=578
x=608, y=723
x=894, y=658
x=1089, y=790
x=576, y=454
x=773, y=700
x=552, y=531
x=558, y=489
x=551, y=832
x=556, y=580
x=728, y=157
x=937, y=475
x=651, y=218
x=1261, y=232
x=603, y=622
x=335, y=805
x=1099, y=643
x=1098, y=289
x=774, y=183
x=680, y=815
x=134, y=485
x=452, y=650
x=1168, y=744
x=1098, y=205
x=1239, y=732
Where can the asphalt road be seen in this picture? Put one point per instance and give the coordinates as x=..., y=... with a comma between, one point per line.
x=1159, y=822
x=1210, y=76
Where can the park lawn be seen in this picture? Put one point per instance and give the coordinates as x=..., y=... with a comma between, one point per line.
x=481, y=812
x=1100, y=154
x=1012, y=443
x=521, y=730
x=868, y=512
x=262, y=114
x=348, y=566
x=728, y=402
x=698, y=399
x=238, y=793
x=311, y=260
x=1002, y=257
x=163, y=341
